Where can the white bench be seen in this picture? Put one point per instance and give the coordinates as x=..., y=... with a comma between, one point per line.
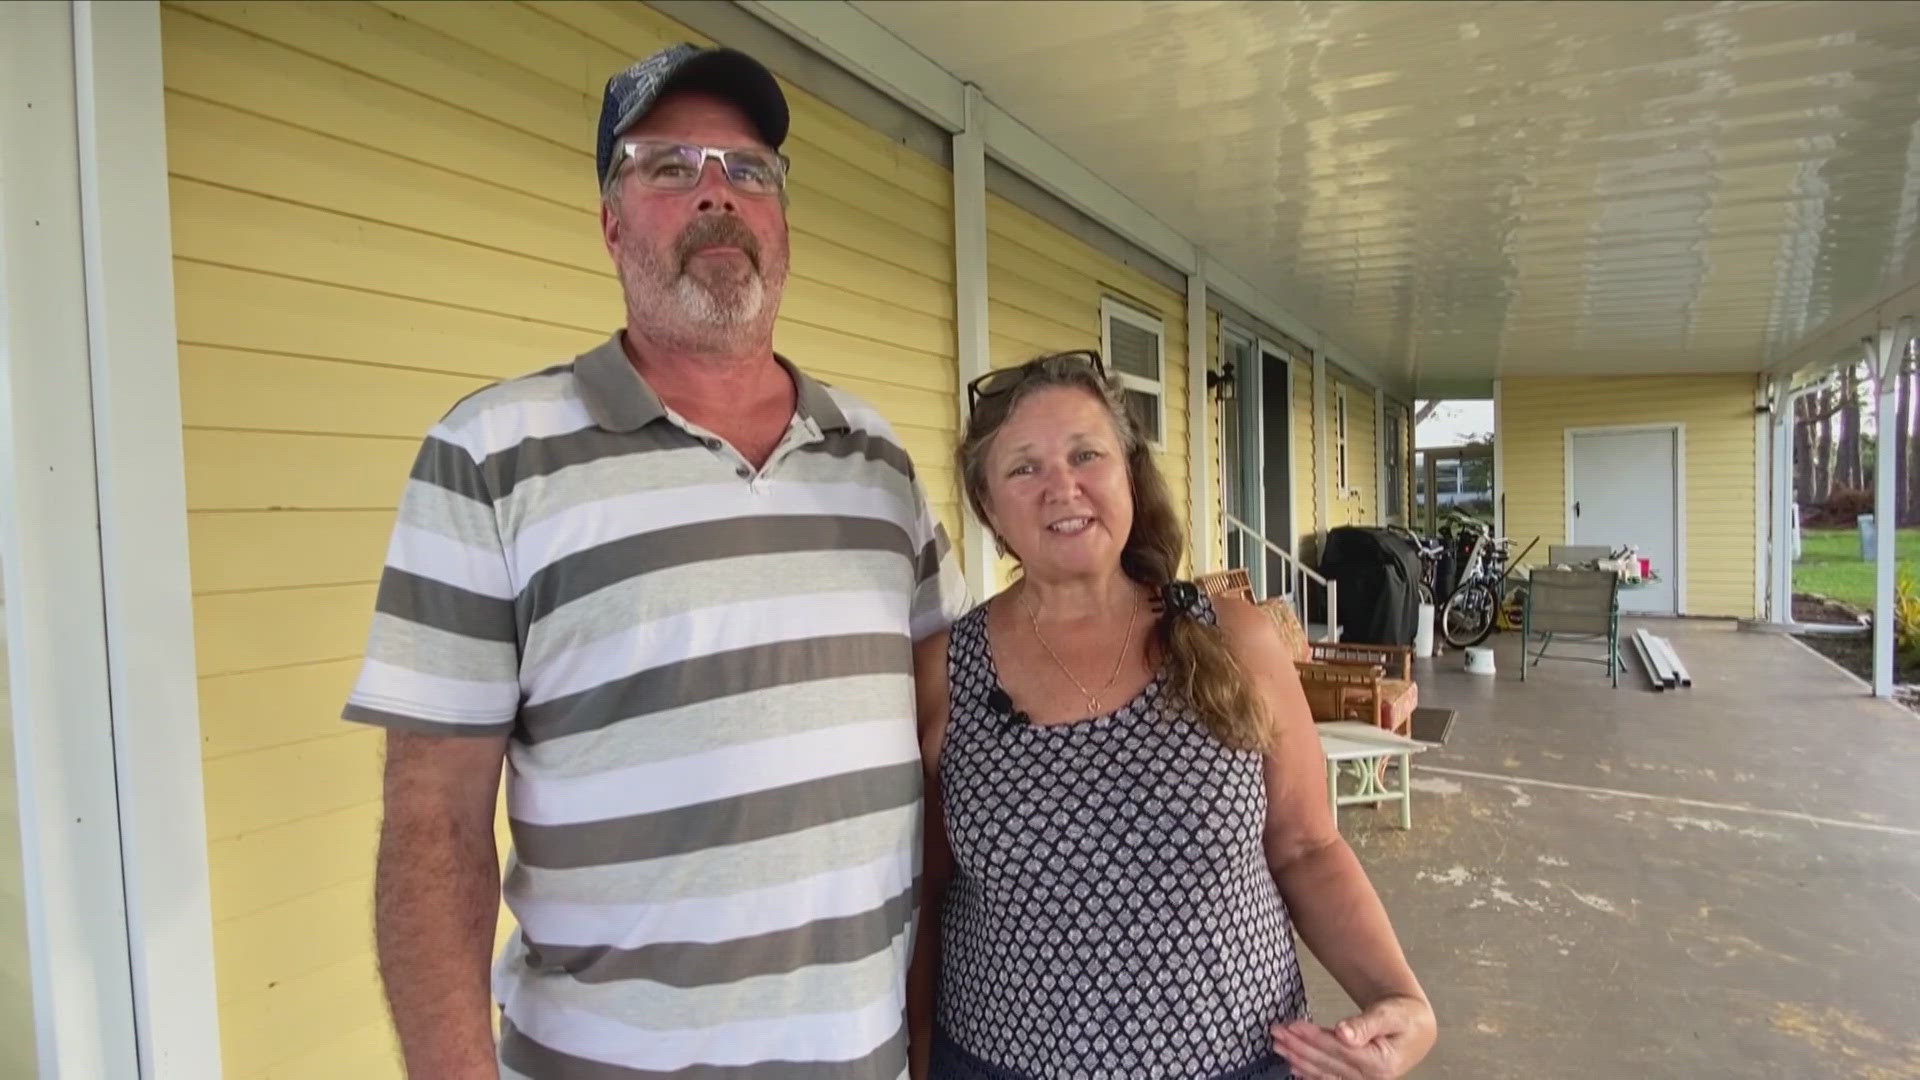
x=1363, y=746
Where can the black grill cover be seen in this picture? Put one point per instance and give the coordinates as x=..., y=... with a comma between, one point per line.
x=1379, y=575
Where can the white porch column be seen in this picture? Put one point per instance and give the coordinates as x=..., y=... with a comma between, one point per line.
x=970, y=316
x=1884, y=354
x=1200, y=552
x=56, y=647
x=1780, y=491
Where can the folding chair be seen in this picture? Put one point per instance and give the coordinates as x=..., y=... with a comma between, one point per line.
x=1575, y=605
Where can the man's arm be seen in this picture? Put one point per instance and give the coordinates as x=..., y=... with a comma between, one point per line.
x=436, y=900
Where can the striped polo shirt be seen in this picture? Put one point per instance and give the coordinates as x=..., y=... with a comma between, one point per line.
x=705, y=674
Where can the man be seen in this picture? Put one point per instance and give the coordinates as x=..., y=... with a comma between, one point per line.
x=675, y=583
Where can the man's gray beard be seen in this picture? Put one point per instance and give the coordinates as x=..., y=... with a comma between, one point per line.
x=690, y=309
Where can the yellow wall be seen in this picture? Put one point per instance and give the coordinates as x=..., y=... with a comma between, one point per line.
x=377, y=209
x=1306, y=468
x=1717, y=410
x=16, y=986
x=1044, y=289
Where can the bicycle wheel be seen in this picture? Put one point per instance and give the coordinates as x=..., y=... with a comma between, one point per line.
x=1426, y=593
x=1468, y=616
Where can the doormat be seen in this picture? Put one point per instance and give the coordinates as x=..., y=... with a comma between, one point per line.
x=1432, y=725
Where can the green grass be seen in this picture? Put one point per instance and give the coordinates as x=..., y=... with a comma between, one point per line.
x=1830, y=564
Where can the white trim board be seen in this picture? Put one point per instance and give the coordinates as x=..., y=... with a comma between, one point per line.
x=979, y=556
x=1499, y=466
x=69, y=819
x=140, y=474
x=1679, y=431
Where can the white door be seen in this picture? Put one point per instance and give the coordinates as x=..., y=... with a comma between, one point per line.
x=1622, y=488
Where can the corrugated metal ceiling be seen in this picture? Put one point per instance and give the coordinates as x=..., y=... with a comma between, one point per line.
x=1459, y=190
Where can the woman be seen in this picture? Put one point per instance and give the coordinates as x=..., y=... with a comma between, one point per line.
x=1125, y=800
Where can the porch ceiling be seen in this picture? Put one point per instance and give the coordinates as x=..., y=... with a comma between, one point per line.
x=1463, y=190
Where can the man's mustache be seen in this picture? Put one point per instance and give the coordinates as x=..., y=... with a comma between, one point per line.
x=717, y=229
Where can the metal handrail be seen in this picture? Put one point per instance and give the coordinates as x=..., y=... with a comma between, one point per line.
x=1301, y=573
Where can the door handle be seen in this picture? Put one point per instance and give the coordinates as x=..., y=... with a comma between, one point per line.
x=1576, y=509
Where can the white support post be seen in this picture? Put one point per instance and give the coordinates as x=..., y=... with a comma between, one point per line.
x=978, y=554
x=140, y=475
x=1499, y=463
x=1322, y=461
x=1780, y=594
x=1200, y=548
x=1884, y=356
x=56, y=640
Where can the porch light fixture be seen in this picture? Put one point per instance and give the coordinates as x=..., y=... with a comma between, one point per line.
x=1220, y=383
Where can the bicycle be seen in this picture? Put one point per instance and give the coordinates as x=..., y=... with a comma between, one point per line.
x=1472, y=610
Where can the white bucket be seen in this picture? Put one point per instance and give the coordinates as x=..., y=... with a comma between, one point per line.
x=1423, y=632
x=1479, y=661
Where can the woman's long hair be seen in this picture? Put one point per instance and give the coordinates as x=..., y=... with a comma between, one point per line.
x=1200, y=668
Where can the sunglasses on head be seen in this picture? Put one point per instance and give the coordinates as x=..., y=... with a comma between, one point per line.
x=999, y=381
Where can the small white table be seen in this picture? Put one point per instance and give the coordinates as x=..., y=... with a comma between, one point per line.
x=1344, y=742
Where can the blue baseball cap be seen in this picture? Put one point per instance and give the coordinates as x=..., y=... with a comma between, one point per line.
x=726, y=73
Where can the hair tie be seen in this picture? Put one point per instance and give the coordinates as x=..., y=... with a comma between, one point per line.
x=1178, y=598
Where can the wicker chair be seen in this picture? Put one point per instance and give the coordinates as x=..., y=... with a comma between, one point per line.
x=1369, y=683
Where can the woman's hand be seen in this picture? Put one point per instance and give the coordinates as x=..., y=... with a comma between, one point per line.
x=1386, y=1040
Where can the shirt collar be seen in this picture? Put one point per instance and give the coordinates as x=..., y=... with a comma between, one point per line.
x=618, y=399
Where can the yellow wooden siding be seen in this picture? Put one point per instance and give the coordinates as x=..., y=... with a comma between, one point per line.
x=1306, y=469
x=1717, y=410
x=16, y=983
x=1044, y=288
x=378, y=208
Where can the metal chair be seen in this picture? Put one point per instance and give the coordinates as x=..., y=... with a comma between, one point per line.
x=1575, y=605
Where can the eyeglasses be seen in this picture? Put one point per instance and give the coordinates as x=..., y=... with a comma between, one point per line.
x=1004, y=379
x=672, y=166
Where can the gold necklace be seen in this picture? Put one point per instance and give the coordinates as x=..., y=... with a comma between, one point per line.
x=1093, y=697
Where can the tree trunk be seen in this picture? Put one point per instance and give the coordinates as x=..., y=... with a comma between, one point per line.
x=1823, y=449
x=1851, y=475
x=1803, y=447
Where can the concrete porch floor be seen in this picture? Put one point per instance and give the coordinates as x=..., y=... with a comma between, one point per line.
x=1716, y=882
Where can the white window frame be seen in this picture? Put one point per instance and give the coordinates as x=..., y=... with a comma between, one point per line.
x=1340, y=471
x=1111, y=309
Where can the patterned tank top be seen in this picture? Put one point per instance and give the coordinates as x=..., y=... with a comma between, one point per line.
x=1110, y=914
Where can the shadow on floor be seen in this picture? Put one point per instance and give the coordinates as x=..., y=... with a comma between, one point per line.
x=1716, y=882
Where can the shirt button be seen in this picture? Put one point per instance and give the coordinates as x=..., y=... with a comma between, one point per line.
x=743, y=472
x=712, y=444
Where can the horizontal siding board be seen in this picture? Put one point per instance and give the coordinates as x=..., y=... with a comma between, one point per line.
x=298, y=1017
x=252, y=470
x=257, y=952
x=258, y=869
x=249, y=231
x=366, y=1052
x=222, y=64
x=226, y=388
x=281, y=549
x=258, y=790
x=242, y=309
x=258, y=710
x=250, y=631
